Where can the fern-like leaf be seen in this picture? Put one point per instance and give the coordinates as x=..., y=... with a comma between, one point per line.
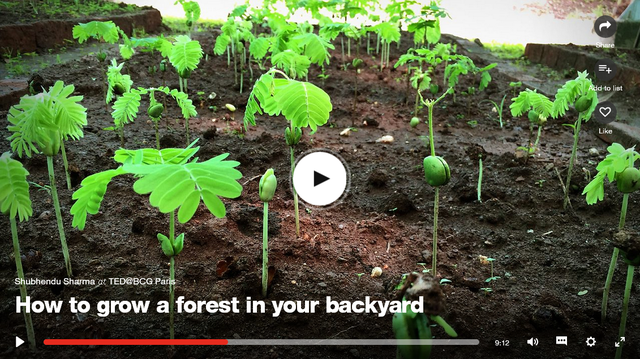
x=304, y=104
x=125, y=109
x=101, y=30
x=259, y=47
x=221, y=44
x=183, y=186
x=315, y=48
x=294, y=64
x=185, y=54
x=90, y=195
x=14, y=188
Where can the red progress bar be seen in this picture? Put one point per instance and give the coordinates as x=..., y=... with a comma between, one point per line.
x=136, y=342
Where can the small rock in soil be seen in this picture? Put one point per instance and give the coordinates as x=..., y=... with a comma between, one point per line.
x=548, y=317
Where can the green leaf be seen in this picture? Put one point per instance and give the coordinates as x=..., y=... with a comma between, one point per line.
x=315, y=48
x=222, y=41
x=178, y=244
x=447, y=328
x=152, y=156
x=14, y=188
x=259, y=47
x=125, y=109
x=101, y=30
x=185, y=54
x=172, y=186
x=304, y=104
x=90, y=195
x=294, y=64
x=165, y=243
x=583, y=292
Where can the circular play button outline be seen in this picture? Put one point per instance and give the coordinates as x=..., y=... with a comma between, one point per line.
x=321, y=178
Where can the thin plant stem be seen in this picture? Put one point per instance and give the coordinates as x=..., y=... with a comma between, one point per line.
x=295, y=194
x=155, y=127
x=625, y=309
x=614, y=259
x=480, y=193
x=65, y=163
x=172, y=273
x=576, y=136
x=265, y=249
x=431, y=142
x=436, y=202
x=56, y=204
x=23, y=288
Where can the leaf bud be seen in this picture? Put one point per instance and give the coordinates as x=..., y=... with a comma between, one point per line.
x=292, y=138
x=267, y=186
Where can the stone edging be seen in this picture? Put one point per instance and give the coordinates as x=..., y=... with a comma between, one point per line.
x=43, y=35
x=563, y=57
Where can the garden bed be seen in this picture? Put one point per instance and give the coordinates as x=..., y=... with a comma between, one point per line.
x=545, y=255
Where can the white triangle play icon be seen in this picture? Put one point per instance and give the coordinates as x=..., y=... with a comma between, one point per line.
x=19, y=342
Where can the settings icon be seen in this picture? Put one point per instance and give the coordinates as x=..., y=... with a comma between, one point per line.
x=591, y=341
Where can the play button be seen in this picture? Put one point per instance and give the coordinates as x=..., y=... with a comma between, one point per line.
x=320, y=178
x=19, y=342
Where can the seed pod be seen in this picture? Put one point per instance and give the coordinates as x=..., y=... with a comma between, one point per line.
x=163, y=65
x=414, y=122
x=534, y=117
x=434, y=89
x=119, y=89
x=51, y=143
x=101, y=56
x=185, y=74
x=230, y=107
x=292, y=138
x=155, y=111
x=628, y=181
x=436, y=171
x=583, y=104
x=267, y=186
x=189, y=23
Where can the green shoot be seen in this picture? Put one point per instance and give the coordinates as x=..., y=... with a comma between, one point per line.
x=191, y=12
x=118, y=83
x=499, y=109
x=14, y=201
x=538, y=107
x=41, y=123
x=581, y=93
x=301, y=103
x=480, y=179
x=125, y=109
x=617, y=166
x=185, y=57
x=267, y=189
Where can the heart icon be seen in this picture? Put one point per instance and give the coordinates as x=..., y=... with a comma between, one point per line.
x=605, y=111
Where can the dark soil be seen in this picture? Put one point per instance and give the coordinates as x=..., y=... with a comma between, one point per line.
x=544, y=255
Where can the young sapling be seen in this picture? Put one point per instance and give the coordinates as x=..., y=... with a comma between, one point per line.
x=267, y=188
x=618, y=166
x=40, y=124
x=15, y=202
x=302, y=103
x=185, y=57
x=175, y=184
x=581, y=93
x=538, y=108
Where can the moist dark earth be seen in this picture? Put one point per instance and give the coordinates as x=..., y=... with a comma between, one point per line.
x=544, y=255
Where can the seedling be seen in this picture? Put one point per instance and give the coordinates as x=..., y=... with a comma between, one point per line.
x=125, y=109
x=41, y=123
x=175, y=182
x=618, y=166
x=118, y=83
x=480, y=180
x=538, y=108
x=486, y=291
x=498, y=108
x=191, y=12
x=581, y=93
x=15, y=202
x=411, y=325
x=267, y=189
x=486, y=260
x=185, y=57
x=515, y=86
x=302, y=103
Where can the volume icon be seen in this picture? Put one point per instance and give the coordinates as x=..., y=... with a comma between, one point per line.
x=532, y=341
